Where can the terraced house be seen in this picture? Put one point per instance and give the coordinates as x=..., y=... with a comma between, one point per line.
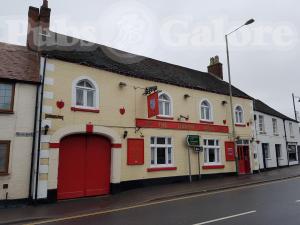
x=277, y=137
x=19, y=83
x=113, y=120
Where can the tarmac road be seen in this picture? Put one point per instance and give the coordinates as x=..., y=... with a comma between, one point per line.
x=276, y=203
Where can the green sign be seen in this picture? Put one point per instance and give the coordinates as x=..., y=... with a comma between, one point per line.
x=193, y=140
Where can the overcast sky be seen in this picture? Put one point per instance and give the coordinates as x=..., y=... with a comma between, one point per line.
x=264, y=56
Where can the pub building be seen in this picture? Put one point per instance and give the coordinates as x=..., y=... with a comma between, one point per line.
x=116, y=120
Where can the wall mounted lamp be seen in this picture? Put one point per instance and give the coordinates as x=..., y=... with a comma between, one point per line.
x=186, y=96
x=46, y=129
x=224, y=102
x=122, y=84
x=125, y=134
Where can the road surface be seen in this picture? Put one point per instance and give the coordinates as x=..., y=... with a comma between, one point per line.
x=276, y=203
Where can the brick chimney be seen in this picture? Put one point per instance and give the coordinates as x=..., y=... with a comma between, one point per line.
x=215, y=67
x=38, y=22
x=33, y=27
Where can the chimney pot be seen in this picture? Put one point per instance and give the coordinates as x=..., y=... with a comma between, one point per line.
x=45, y=4
x=45, y=17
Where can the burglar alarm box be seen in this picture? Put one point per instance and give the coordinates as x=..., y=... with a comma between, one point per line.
x=229, y=151
x=135, y=151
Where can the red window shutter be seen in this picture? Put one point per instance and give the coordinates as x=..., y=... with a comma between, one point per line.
x=229, y=151
x=135, y=151
x=152, y=103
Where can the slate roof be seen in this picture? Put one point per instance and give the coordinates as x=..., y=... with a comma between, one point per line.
x=264, y=108
x=18, y=63
x=70, y=49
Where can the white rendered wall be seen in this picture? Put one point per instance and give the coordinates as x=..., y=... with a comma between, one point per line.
x=22, y=120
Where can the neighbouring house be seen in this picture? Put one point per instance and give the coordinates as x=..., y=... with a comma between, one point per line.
x=277, y=137
x=116, y=120
x=19, y=80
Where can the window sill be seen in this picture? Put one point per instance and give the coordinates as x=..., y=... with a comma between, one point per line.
x=206, y=122
x=6, y=112
x=77, y=109
x=211, y=167
x=165, y=117
x=4, y=174
x=240, y=125
x=156, y=169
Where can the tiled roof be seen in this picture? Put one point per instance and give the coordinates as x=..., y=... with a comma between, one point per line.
x=128, y=64
x=18, y=63
x=264, y=108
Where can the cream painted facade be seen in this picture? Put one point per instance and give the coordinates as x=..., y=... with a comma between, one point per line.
x=109, y=122
x=22, y=121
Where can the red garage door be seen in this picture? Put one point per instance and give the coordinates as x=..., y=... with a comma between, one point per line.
x=84, y=166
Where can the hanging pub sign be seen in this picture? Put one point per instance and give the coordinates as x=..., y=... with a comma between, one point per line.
x=152, y=102
x=193, y=140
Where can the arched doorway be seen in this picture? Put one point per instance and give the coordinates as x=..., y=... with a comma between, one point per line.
x=84, y=166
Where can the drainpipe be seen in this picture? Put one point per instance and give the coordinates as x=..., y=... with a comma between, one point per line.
x=286, y=143
x=40, y=131
x=30, y=195
x=256, y=145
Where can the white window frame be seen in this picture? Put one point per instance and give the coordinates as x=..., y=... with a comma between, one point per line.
x=170, y=107
x=241, y=121
x=166, y=146
x=210, y=111
x=291, y=130
x=275, y=126
x=280, y=150
x=268, y=156
x=216, y=148
x=96, y=97
x=263, y=124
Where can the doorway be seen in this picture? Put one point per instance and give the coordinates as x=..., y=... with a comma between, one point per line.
x=84, y=166
x=278, y=154
x=244, y=156
x=266, y=154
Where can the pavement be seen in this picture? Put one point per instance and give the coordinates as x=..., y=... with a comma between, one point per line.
x=132, y=198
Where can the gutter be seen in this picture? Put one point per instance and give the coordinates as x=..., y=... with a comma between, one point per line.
x=40, y=131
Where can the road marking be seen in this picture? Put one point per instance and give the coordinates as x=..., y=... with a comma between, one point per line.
x=226, y=218
x=297, y=201
x=157, y=202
